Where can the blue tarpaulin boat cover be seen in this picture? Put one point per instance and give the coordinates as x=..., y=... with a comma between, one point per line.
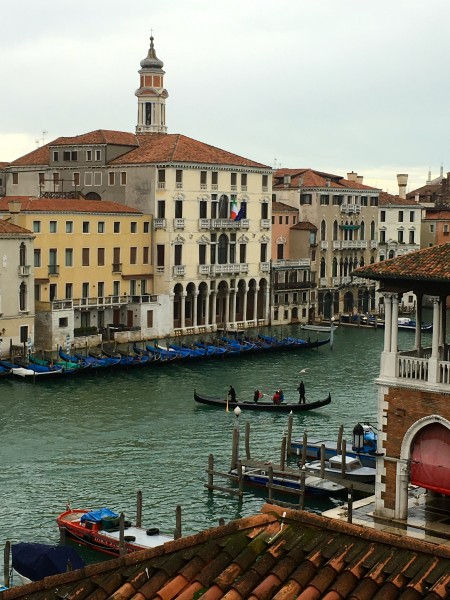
x=97, y=515
x=36, y=561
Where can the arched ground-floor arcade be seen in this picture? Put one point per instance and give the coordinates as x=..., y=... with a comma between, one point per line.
x=222, y=304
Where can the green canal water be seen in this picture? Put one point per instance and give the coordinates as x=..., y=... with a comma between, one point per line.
x=96, y=440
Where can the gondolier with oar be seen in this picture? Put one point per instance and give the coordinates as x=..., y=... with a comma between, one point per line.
x=301, y=391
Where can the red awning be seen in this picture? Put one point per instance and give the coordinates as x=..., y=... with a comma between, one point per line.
x=430, y=459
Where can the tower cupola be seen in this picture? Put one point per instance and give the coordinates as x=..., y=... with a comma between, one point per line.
x=151, y=94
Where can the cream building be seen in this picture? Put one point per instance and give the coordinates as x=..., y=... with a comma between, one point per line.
x=16, y=287
x=345, y=213
x=92, y=268
x=209, y=265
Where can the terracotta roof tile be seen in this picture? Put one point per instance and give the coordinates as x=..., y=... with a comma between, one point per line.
x=430, y=264
x=280, y=554
x=281, y=206
x=8, y=228
x=40, y=156
x=100, y=136
x=63, y=205
x=311, y=178
x=386, y=199
x=304, y=225
x=166, y=148
x=3, y=164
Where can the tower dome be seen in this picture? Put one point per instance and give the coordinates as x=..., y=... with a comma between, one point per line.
x=151, y=94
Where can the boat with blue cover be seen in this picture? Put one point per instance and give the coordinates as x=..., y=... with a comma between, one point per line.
x=33, y=562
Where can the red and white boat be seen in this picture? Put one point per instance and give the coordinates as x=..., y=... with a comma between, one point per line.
x=100, y=530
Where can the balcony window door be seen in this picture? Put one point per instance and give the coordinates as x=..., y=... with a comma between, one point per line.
x=161, y=209
x=242, y=253
x=223, y=207
x=178, y=255
x=264, y=210
x=23, y=296
x=263, y=253
x=223, y=249
x=22, y=255
x=280, y=251
x=178, y=209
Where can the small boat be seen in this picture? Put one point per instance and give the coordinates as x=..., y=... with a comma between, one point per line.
x=315, y=486
x=284, y=407
x=319, y=328
x=410, y=324
x=26, y=372
x=32, y=562
x=354, y=470
x=211, y=349
x=364, y=446
x=99, y=529
x=5, y=371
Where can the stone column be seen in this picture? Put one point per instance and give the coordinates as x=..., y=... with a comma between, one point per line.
x=433, y=361
x=194, y=309
x=207, y=300
x=255, y=306
x=394, y=325
x=441, y=325
x=244, y=305
x=418, y=338
x=233, y=308
x=213, y=307
x=267, y=305
x=227, y=309
x=183, y=310
x=387, y=322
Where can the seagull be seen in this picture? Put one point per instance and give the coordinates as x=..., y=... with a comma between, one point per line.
x=304, y=370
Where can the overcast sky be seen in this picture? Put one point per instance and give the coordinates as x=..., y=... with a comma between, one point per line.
x=336, y=85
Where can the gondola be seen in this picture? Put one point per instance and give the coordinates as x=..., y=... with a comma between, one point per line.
x=285, y=407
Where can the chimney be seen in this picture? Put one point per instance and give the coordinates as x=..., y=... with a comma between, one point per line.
x=402, y=180
x=287, y=181
x=14, y=207
x=352, y=176
x=359, y=179
x=327, y=182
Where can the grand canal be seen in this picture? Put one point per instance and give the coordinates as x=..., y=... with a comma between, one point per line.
x=96, y=440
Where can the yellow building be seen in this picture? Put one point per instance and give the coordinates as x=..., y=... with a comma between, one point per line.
x=92, y=266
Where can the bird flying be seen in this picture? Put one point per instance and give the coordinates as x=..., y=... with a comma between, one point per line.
x=304, y=370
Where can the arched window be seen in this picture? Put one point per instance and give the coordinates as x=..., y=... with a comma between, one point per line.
x=362, y=231
x=223, y=249
x=323, y=230
x=335, y=231
x=372, y=230
x=322, y=267
x=22, y=255
x=391, y=253
x=23, y=296
x=335, y=267
x=361, y=261
x=223, y=207
x=372, y=260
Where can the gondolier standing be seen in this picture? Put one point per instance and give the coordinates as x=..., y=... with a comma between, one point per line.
x=232, y=394
x=301, y=391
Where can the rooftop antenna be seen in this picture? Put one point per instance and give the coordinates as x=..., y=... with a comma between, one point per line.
x=44, y=133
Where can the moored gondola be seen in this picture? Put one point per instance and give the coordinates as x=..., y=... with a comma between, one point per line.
x=284, y=407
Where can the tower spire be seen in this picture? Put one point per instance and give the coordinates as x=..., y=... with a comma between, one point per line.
x=151, y=94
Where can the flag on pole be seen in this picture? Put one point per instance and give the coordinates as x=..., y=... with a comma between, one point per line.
x=240, y=214
x=234, y=210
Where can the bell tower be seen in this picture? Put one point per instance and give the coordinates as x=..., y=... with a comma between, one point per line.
x=151, y=95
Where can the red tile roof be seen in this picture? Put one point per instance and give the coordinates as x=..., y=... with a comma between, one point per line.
x=40, y=156
x=307, y=178
x=282, y=207
x=278, y=555
x=31, y=204
x=431, y=264
x=100, y=136
x=164, y=148
x=3, y=164
x=304, y=225
x=386, y=199
x=6, y=227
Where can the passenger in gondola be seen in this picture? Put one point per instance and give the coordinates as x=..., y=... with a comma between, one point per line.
x=232, y=394
x=276, y=397
x=256, y=396
x=281, y=395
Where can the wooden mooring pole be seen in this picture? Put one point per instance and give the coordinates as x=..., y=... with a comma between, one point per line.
x=139, y=509
x=305, y=442
x=122, y=549
x=289, y=435
x=283, y=453
x=177, y=533
x=350, y=504
x=247, y=440
x=6, y=559
x=339, y=440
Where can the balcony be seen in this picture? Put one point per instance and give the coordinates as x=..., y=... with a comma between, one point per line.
x=265, y=224
x=161, y=185
x=351, y=209
x=228, y=269
x=159, y=223
x=223, y=224
x=336, y=281
x=53, y=270
x=293, y=285
x=178, y=223
x=24, y=270
x=101, y=302
x=144, y=299
x=214, y=187
x=291, y=263
x=265, y=188
x=117, y=267
x=179, y=185
x=203, y=186
x=323, y=245
x=323, y=282
x=233, y=188
x=203, y=269
x=373, y=244
x=349, y=244
x=179, y=270
x=264, y=267
x=243, y=188
x=346, y=280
